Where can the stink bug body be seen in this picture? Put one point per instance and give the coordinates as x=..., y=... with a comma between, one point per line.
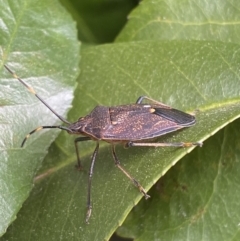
x=131, y=125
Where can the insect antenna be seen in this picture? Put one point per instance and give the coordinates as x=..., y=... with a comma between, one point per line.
x=44, y=127
x=30, y=89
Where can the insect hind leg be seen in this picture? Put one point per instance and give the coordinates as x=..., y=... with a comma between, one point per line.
x=158, y=144
x=135, y=182
x=142, y=98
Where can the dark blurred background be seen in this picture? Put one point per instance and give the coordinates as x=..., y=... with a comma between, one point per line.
x=99, y=21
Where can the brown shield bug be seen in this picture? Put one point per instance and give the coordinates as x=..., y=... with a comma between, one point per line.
x=131, y=125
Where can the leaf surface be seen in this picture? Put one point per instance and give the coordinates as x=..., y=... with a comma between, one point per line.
x=41, y=56
x=183, y=20
x=59, y=198
x=186, y=203
x=189, y=75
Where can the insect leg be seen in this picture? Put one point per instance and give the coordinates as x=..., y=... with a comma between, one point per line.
x=157, y=144
x=89, y=205
x=141, y=98
x=135, y=182
x=82, y=138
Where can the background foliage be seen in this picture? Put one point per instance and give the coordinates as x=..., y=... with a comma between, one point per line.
x=183, y=53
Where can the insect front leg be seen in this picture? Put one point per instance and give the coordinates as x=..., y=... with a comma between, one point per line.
x=135, y=182
x=82, y=138
x=89, y=205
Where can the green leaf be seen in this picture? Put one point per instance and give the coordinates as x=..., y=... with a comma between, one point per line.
x=186, y=203
x=188, y=75
x=38, y=42
x=57, y=206
x=183, y=20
